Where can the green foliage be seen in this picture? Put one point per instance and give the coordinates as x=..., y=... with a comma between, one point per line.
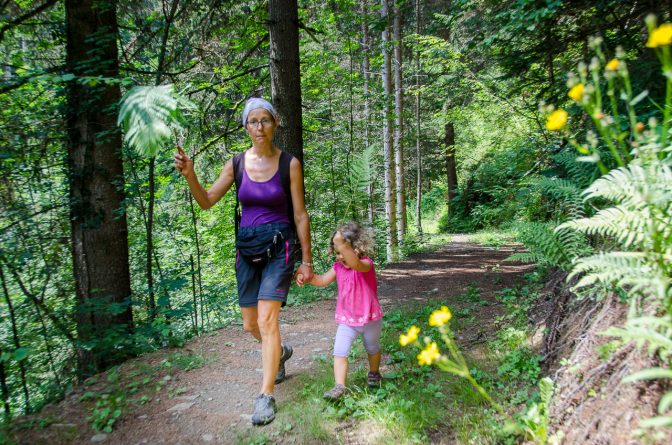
x=149, y=115
x=634, y=205
x=547, y=245
x=107, y=411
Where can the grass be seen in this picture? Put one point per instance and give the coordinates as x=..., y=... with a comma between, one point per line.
x=415, y=404
x=495, y=238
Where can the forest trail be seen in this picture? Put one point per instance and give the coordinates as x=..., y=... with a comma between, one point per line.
x=212, y=404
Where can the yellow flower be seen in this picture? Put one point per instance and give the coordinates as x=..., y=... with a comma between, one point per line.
x=410, y=337
x=429, y=355
x=660, y=36
x=576, y=93
x=612, y=65
x=556, y=120
x=440, y=317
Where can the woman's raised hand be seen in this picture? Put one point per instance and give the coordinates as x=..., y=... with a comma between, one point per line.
x=183, y=163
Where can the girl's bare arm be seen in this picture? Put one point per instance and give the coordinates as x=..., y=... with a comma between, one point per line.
x=323, y=280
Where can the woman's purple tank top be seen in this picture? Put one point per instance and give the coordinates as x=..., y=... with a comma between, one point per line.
x=263, y=202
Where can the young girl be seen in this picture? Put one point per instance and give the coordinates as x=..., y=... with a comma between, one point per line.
x=357, y=307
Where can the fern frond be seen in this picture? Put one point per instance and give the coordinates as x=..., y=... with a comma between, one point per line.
x=525, y=257
x=633, y=270
x=634, y=185
x=580, y=173
x=361, y=170
x=629, y=227
x=547, y=246
x=148, y=114
x=655, y=332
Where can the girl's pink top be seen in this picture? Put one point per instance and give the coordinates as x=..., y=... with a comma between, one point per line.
x=357, y=302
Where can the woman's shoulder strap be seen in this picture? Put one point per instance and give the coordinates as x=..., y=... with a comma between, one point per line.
x=238, y=166
x=284, y=167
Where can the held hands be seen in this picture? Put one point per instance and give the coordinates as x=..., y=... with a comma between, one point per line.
x=304, y=275
x=183, y=163
x=300, y=279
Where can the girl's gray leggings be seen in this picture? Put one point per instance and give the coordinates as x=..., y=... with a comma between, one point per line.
x=345, y=335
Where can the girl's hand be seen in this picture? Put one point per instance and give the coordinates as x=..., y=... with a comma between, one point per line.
x=183, y=163
x=300, y=279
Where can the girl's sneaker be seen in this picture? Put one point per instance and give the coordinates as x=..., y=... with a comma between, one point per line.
x=336, y=392
x=373, y=379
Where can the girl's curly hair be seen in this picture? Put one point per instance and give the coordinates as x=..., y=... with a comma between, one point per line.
x=359, y=237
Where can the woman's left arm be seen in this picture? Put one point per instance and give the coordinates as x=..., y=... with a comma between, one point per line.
x=301, y=218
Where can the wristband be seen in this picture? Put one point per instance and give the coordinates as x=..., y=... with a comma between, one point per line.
x=305, y=263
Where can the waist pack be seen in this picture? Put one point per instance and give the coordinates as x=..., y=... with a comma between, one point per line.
x=258, y=248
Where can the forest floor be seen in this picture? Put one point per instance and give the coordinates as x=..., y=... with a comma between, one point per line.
x=203, y=393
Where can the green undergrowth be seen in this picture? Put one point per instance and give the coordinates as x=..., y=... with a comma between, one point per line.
x=495, y=238
x=418, y=404
x=108, y=396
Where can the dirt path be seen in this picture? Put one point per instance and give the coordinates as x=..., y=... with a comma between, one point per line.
x=212, y=404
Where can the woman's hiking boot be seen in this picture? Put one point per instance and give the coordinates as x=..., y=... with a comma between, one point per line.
x=373, y=379
x=287, y=352
x=264, y=409
x=336, y=392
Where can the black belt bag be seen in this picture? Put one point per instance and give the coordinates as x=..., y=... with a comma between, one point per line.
x=258, y=248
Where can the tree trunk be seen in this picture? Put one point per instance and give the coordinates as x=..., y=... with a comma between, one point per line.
x=152, y=167
x=418, y=196
x=283, y=27
x=98, y=219
x=5, y=391
x=400, y=191
x=367, y=100
x=17, y=341
x=387, y=136
x=451, y=167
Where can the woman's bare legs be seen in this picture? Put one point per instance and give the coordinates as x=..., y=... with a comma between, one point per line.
x=263, y=323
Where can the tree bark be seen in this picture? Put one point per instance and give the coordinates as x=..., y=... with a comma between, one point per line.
x=400, y=191
x=387, y=136
x=418, y=195
x=17, y=341
x=98, y=219
x=451, y=167
x=152, y=168
x=366, y=42
x=283, y=27
x=5, y=391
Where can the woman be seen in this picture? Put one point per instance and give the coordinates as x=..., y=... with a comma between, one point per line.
x=266, y=211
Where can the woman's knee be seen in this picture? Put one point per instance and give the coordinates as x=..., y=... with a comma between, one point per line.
x=268, y=324
x=250, y=325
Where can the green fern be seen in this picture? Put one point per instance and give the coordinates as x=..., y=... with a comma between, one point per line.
x=148, y=114
x=639, y=222
x=546, y=246
x=361, y=176
x=361, y=170
x=581, y=174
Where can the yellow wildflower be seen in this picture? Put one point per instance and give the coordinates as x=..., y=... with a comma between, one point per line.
x=410, y=337
x=429, y=355
x=576, y=93
x=612, y=65
x=556, y=120
x=660, y=36
x=440, y=317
